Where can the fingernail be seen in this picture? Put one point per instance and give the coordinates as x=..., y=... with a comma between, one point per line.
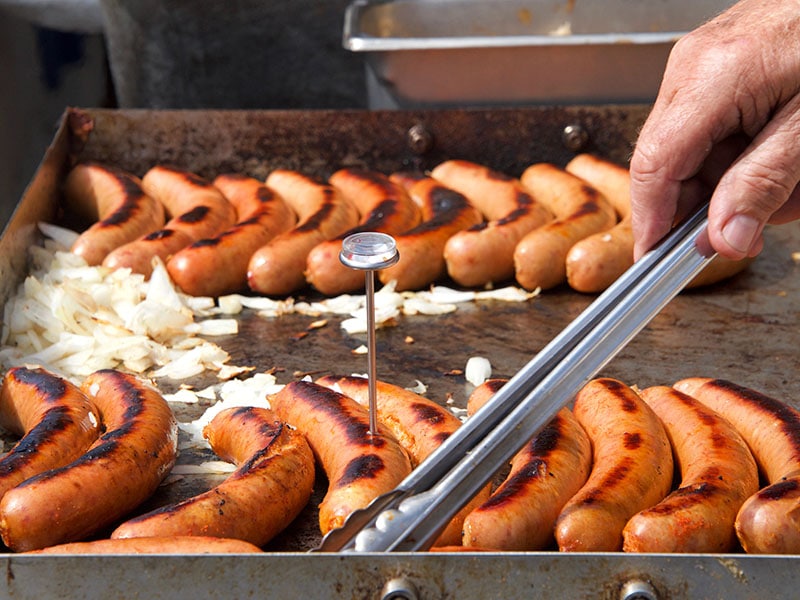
x=740, y=232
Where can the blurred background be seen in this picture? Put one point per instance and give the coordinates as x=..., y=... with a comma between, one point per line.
x=56, y=53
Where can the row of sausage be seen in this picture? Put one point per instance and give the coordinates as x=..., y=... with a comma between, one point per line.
x=461, y=221
x=702, y=466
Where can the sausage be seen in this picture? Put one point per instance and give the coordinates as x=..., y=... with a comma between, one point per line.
x=767, y=522
x=197, y=209
x=218, y=265
x=278, y=267
x=632, y=467
x=359, y=465
x=580, y=209
x=718, y=473
x=153, y=545
x=719, y=269
x=116, y=204
x=272, y=484
x=384, y=206
x=118, y=472
x=484, y=253
x=545, y=474
x=444, y=213
x=609, y=178
x=418, y=423
x=596, y=262
x=56, y=420
x=483, y=393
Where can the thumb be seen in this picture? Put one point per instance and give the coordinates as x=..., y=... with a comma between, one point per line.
x=756, y=186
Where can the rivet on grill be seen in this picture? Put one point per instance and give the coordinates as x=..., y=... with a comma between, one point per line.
x=370, y=251
x=638, y=589
x=420, y=140
x=399, y=588
x=575, y=137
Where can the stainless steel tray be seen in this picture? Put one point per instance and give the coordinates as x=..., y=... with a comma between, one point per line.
x=743, y=329
x=422, y=53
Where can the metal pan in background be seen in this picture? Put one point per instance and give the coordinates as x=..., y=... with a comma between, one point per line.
x=446, y=53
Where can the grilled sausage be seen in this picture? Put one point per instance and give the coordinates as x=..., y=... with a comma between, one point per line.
x=115, y=203
x=545, y=474
x=360, y=465
x=272, y=484
x=218, y=265
x=483, y=393
x=444, y=213
x=609, y=178
x=118, y=472
x=632, y=467
x=197, y=209
x=484, y=253
x=768, y=521
x=278, y=267
x=154, y=545
x=419, y=424
x=56, y=420
x=596, y=262
x=580, y=209
x=384, y=206
x=718, y=473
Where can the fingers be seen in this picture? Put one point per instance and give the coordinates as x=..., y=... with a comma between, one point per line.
x=759, y=187
x=687, y=121
x=727, y=76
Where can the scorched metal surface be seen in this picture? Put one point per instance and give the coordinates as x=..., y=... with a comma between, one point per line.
x=744, y=330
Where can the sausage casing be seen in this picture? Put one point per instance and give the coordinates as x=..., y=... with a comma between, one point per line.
x=56, y=420
x=217, y=265
x=360, y=465
x=118, y=472
x=632, y=467
x=115, y=201
x=718, y=473
x=272, y=484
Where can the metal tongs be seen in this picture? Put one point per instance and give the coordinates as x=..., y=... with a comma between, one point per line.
x=412, y=516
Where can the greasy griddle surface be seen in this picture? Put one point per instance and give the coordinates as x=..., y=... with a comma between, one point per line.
x=743, y=329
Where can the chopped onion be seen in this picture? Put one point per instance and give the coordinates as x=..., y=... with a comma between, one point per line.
x=478, y=370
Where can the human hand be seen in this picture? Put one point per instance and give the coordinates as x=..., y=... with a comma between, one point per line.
x=727, y=119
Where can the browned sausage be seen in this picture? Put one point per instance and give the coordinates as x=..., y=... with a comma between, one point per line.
x=768, y=521
x=418, y=423
x=118, y=472
x=360, y=465
x=632, y=467
x=484, y=253
x=218, y=265
x=198, y=210
x=609, y=178
x=596, y=262
x=483, y=393
x=272, y=484
x=278, y=267
x=545, y=474
x=115, y=202
x=581, y=210
x=154, y=545
x=717, y=472
x=384, y=206
x=444, y=212
x=56, y=420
